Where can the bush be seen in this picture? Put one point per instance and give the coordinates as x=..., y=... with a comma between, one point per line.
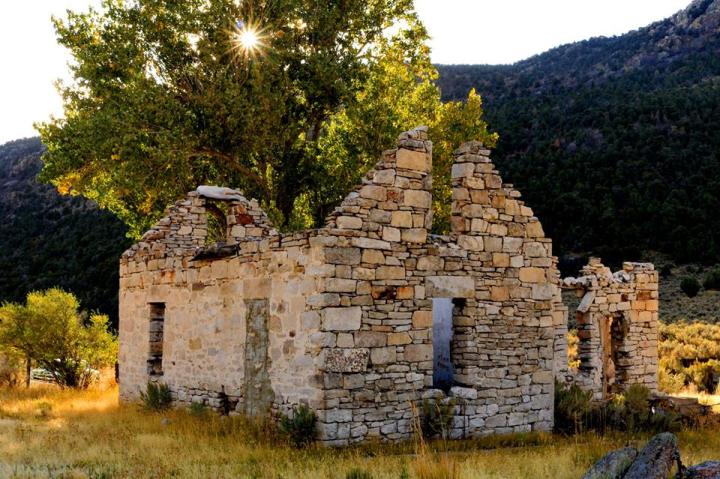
x=157, y=397
x=357, y=473
x=198, y=409
x=11, y=374
x=689, y=356
x=300, y=426
x=436, y=418
x=573, y=354
x=632, y=411
x=666, y=270
x=572, y=408
x=690, y=286
x=704, y=375
x=712, y=280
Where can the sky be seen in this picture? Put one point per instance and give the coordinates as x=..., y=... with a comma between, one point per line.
x=462, y=31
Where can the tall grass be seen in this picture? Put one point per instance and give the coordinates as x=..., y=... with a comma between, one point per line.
x=46, y=431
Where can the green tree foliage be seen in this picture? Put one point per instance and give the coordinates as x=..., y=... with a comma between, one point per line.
x=50, y=332
x=163, y=99
x=613, y=141
x=689, y=356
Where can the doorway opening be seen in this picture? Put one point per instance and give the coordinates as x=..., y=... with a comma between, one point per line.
x=442, y=336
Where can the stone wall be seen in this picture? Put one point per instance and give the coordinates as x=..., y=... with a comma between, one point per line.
x=346, y=311
x=617, y=322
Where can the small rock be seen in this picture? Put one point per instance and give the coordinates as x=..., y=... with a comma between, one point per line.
x=165, y=421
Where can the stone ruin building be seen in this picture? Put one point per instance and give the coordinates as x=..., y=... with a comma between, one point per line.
x=366, y=316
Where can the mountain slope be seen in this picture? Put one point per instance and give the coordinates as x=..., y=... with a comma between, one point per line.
x=50, y=240
x=615, y=142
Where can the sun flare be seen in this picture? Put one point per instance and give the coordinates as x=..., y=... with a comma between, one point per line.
x=247, y=38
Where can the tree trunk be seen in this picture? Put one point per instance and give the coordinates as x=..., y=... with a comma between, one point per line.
x=28, y=363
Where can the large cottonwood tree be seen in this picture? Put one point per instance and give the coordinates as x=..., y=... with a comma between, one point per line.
x=163, y=98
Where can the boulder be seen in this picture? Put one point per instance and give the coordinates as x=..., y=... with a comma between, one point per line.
x=705, y=470
x=656, y=459
x=613, y=465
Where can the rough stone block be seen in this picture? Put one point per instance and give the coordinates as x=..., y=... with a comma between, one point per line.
x=372, y=192
x=373, y=256
x=418, y=352
x=347, y=256
x=532, y=275
x=346, y=360
x=370, y=339
x=390, y=272
x=450, y=286
x=417, y=198
x=342, y=319
x=395, y=339
x=402, y=219
x=349, y=222
x=422, y=319
x=412, y=160
x=414, y=235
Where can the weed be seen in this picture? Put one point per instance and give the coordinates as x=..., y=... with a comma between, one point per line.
x=300, y=426
x=157, y=397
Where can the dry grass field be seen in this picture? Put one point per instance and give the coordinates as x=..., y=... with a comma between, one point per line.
x=45, y=432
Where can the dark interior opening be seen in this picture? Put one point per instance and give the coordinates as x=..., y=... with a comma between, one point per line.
x=156, y=329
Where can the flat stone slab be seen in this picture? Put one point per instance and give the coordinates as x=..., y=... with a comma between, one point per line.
x=220, y=193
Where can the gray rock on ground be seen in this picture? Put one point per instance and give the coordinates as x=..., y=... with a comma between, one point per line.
x=612, y=465
x=704, y=470
x=656, y=459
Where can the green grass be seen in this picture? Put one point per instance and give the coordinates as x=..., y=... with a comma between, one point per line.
x=46, y=431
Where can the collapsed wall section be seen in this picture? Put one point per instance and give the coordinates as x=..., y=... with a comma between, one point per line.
x=617, y=326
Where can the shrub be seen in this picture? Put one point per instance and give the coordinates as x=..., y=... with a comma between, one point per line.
x=157, y=397
x=44, y=409
x=690, y=286
x=670, y=382
x=712, y=279
x=689, y=356
x=630, y=411
x=198, y=409
x=666, y=270
x=11, y=374
x=300, y=426
x=704, y=374
x=436, y=418
x=357, y=473
x=572, y=408
x=573, y=355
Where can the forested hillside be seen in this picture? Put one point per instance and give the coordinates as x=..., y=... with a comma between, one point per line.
x=615, y=142
x=47, y=240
